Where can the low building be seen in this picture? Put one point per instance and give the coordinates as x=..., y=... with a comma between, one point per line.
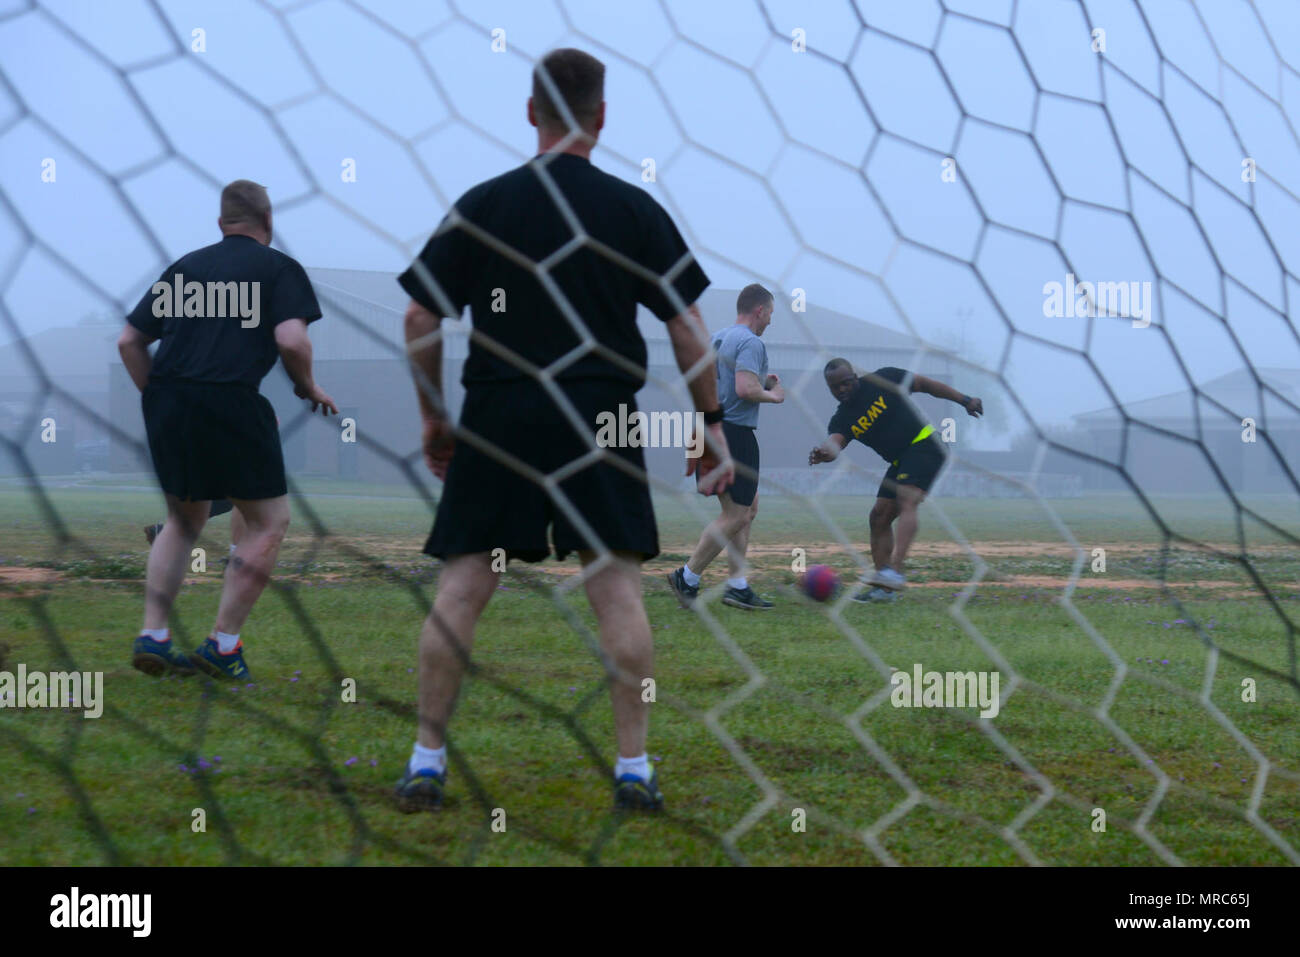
x=1238, y=432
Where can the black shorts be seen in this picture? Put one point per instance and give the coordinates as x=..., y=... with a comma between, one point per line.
x=742, y=442
x=487, y=504
x=212, y=441
x=918, y=465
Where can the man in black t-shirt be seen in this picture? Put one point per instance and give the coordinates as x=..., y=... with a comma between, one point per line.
x=222, y=315
x=873, y=410
x=512, y=432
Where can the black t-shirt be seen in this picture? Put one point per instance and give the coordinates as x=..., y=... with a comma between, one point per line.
x=220, y=327
x=508, y=303
x=877, y=415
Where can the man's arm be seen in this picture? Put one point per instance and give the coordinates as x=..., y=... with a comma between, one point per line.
x=748, y=387
x=133, y=346
x=295, y=351
x=972, y=405
x=424, y=347
x=695, y=359
x=829, y=450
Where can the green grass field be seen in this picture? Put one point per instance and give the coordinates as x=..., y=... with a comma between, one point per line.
x=752, y=717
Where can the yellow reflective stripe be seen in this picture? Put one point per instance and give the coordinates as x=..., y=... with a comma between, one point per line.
x=924, y=433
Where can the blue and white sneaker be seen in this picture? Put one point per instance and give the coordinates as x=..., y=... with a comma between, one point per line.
x=158, y=658
x=888, y=578
x=208, y=658
x=876, y=596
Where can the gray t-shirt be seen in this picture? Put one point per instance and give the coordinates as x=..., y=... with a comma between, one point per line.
x=738, y=348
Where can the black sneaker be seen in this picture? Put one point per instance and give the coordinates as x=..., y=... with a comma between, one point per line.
x=632, y=793
x=744, y=598
x=151, y=532
x=686, y=594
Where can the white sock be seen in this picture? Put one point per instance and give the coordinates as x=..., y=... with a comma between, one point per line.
x=433, y=759
x=638, y=766
x=226, y=644
x=157, y=634
x=691, y=578
x=742, y=582
x=233, y=546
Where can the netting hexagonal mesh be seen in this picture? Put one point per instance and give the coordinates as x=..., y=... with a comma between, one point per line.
x=897, y=163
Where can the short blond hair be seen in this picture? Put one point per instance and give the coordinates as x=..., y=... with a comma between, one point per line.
x=244, y=201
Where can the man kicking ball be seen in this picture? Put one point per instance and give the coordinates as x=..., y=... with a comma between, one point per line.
x=873, y=411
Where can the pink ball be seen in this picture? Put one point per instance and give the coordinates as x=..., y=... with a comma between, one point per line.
x=820, y=582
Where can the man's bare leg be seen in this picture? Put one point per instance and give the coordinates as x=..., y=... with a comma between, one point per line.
x=464, y=587
x=737, y=564
x=251, y=565
x=719, y=533
x=446, y=640
x=237, y=528
x=615, y=596
x=628, y=649
x=909, y=499
x=881, y=521
x=169, y=557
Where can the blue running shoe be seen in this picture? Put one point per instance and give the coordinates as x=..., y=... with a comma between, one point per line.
x=209, y=659
x=420, y=791
x=158, y=658
x=876, y=596
x=633, y=793
x=888, y=578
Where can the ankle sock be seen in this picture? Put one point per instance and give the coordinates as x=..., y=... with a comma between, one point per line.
x=432, y=759
x=640, y=766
